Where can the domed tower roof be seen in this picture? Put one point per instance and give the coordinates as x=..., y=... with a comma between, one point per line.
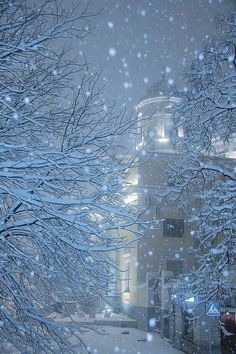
x=158, y=89
x=158, y=98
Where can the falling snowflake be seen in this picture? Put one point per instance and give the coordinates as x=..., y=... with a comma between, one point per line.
x=112, y=52
x=149, y=337
x=8, y=98
x=168, y=70
x=200, y=56
x=225, y=273
x=152, y=322
x=127, y=85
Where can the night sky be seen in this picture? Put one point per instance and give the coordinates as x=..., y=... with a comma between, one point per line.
x=135, y=40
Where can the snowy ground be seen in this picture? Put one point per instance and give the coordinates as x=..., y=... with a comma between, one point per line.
x=112, y=340
x=85, y=318
x=127, y=341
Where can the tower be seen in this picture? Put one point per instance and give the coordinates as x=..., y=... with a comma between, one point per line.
x=163, y=251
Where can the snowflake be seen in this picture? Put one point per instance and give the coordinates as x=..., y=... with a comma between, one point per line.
x=152, y=322
x=200, y=56
x=112, y=52
x=168, y=69
x=127, y=85
x=149, y=337
x=8, y=98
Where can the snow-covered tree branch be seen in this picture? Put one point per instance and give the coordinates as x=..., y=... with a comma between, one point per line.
x=62, y=175
x=207, y=114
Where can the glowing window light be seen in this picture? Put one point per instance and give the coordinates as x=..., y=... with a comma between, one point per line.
x=180, y=132
x=163, y=140
x=131, y=198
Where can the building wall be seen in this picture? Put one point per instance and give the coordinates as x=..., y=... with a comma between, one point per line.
x=157, y=251
x=163, y=252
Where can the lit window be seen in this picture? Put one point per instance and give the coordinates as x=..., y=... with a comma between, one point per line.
x=180, y=132
x=131, y=198
x=160, y=130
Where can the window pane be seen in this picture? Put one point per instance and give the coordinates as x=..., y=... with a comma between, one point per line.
x=173, y=228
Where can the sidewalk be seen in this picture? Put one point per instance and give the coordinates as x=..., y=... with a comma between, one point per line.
x=117, y=320
x=117, y=337
x=126, y=341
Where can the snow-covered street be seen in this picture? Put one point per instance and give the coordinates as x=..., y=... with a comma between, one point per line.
x=127, y=341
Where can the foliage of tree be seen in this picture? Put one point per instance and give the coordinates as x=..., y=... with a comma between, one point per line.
x=62, y=172
x=207, y=114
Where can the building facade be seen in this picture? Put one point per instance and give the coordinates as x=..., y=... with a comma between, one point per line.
x=154, y=261
x=163, y=251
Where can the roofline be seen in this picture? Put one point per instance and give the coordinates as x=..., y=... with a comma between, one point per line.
x=156, y=99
